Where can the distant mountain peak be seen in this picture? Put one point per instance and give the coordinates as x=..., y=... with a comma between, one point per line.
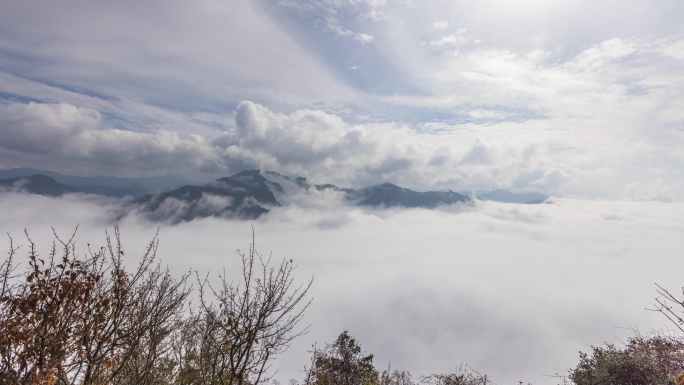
x=388, y=185
x=251, y=173
x=245, y=195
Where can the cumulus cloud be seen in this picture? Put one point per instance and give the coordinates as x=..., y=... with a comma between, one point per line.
x=364, y=38
x=523, y=156
x=68, y=133
x=46, y=128
x=311, y=143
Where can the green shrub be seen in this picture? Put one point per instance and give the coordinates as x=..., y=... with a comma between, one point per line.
x=643, y=361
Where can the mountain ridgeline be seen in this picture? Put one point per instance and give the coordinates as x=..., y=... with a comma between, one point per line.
x=246, y=195
x=249, y=194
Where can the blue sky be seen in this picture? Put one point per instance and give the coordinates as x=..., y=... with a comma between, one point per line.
x=570, y=98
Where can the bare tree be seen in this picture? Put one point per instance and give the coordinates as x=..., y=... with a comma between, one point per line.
x=146, y=308
x=88, y=321
x=670, y=306
x=242, y=325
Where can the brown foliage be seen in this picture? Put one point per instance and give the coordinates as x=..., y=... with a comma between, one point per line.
x=85, y=321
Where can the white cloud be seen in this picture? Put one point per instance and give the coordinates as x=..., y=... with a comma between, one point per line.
x=68, y=134
x=364, y=38
x=611, y=102
x=488, y=114
x=452, y=39
x=310, y=143
x=603, y=55
x=552, y=157
x=460, y=37
x=440, y=25
x=530, y=56
x=47, y=128
x=335, y=26
x=528, y=155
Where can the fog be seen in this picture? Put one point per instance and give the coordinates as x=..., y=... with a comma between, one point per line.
x=514, y=291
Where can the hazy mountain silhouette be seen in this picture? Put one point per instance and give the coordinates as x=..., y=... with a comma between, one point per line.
x=390, y=195
x=245, y=195
x=103, y=185
x=385, y=194
x=37, y=184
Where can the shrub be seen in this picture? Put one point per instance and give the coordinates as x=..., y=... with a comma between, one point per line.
x=342, y=363
x=463, y=375
x=643, y=361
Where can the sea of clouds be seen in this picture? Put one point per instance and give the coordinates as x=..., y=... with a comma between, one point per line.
x=515, y=291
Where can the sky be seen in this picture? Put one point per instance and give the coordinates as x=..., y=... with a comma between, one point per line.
x=568, y=98
x=580, y=100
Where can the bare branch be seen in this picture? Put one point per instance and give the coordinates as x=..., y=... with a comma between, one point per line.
x=254, y=318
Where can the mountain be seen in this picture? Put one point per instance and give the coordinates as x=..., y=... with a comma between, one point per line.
x=37, y=184
x=385, y=194
x=250, y=194
x=103, y=185
x=246, y=195
x=510, y=197
x=390, y=195
x=300, y=183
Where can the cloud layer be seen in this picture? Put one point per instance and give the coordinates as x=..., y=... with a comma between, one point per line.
x=513, y=290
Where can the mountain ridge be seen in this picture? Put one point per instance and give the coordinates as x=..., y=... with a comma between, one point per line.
x=37, y=184
x=250, y=194
x=106, y=185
